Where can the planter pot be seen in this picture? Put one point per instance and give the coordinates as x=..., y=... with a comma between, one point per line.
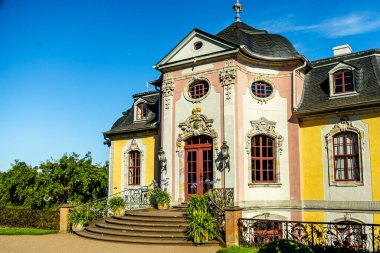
x=119, y=212
x=77, y=227
x=162, y=206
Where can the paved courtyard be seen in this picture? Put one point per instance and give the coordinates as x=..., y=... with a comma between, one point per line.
x=70, y=243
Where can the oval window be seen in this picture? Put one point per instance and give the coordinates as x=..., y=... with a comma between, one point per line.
x=198, y=89
x=198, y=45
x=262, y=89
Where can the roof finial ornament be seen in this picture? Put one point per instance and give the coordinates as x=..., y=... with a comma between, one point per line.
x=238, y=7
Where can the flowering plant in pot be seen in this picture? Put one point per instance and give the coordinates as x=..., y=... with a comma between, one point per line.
x=78, y=218
x=117, y=205
x=159, y=197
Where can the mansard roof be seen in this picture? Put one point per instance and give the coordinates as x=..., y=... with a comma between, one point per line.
x=316, y=97
x=126, y=123
x=259, y=42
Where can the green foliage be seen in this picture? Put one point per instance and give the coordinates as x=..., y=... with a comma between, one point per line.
x=69, y=179
x=331, y=249
x=26, y=231
x=78, y=215
x=237, y=249
x=116, y=203
x=285, y=246
x=29, y=218
x=202, y=225
x=158, y=195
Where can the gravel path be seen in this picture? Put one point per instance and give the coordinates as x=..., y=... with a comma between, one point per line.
x=71, y=243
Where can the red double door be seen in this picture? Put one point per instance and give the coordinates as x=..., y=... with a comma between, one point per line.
x=199, y=173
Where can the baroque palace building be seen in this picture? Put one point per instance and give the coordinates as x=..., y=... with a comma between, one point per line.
x=242, y=109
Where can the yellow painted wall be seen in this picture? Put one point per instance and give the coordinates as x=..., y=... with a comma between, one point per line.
x=149, y=157
x=117, y=162
x=314, y=216
x=373, y=121
x=312, y=160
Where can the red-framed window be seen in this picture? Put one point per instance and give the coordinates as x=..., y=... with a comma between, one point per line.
x=198, y=90
x=141, y=111
x=134, y=168
x=263, y=162
x=262, y=89
x=343, y=81
x=346, y=157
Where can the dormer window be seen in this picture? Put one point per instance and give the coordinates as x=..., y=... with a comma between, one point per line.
x=343, y=81
x=141, y=111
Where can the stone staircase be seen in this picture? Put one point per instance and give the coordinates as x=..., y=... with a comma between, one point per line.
x=145, y=226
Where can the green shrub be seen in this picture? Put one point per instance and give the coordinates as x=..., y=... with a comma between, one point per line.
x=78, y=215
x=159, y=195
x=285, y=246
x=116, y=203
x=202, y=225
x=237, y=249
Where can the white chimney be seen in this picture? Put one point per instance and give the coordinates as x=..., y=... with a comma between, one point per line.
x=341, y=50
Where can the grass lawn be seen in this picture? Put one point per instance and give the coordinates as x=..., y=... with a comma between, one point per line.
x=26, y=231
x=237, y=249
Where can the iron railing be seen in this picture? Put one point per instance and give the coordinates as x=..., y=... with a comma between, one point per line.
x=219, y=199
x=347, y=234
x=136, y=198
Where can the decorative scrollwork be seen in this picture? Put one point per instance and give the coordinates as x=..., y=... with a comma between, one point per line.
x=167, y=90
x=228, y=77
x=219, y=199
x=254, y=233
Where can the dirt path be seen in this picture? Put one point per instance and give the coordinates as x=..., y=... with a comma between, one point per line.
x=70, y=243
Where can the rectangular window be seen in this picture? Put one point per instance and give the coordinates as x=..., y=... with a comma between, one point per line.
x=134, y=168
x=263, y=159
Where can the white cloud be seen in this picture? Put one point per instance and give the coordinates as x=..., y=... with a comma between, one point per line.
x=355, y=23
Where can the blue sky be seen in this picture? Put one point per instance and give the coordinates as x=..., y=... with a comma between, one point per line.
x=69, y=68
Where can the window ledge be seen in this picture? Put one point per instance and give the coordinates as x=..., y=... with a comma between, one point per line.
x=263, y=185
x=346, y=94
x=346, y=183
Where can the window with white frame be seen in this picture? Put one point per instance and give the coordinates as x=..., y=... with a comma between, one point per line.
x=141, y=111
x=345, y=144
x=342, y=80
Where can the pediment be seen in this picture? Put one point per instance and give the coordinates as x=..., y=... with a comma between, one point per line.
x=186, y=49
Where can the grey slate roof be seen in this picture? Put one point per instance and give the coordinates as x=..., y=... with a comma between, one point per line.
x=259, y=41
x=316, y=97
x=126, y=123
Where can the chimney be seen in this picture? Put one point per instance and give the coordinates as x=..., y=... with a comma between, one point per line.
x=342, y=50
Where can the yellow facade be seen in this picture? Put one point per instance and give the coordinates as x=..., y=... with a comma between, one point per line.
x=373, y=121
x=119, y=146
x=312, y=160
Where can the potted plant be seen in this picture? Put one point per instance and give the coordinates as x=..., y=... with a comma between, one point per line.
x=78, y=218
x=117, y=205
x=160, y=198
x=202, y=224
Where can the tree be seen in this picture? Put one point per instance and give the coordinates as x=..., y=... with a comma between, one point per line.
x=69, y=179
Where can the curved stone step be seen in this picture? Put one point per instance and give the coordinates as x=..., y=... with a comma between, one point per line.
x=133, y=234
x=112, y=220
x=103, y=224
x=151, y=218
x=141, y=240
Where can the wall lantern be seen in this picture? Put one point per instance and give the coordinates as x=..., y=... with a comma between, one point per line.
x=162, y=159
x=225, y=156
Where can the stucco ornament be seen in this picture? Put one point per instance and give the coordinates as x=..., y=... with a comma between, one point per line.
x=266, y=127
x=196, y=124
x=167, y=90
x=134, y=147
x=228, y=77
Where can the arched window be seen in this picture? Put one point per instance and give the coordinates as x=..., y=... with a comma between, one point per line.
x=263, y=162
x=141, y=112
x=346, y=157
x=134, y=168
x=343, y=81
